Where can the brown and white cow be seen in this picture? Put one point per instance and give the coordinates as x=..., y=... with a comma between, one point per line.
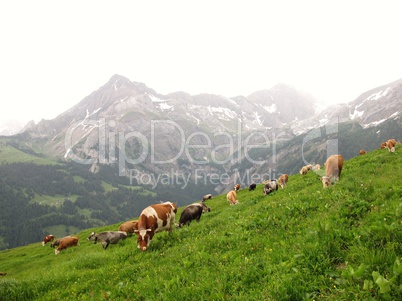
x=153, y=219
x=232, y=197
x=305, y=169
x=362, y=152
x=66, y=242
x=129, y=226
x=47, y=238
x=237, y=187
x=391, y=145
x=383, y=145
x=333, y=169
x=283, y=180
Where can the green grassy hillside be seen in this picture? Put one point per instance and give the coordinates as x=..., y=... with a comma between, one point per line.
x=300, y=243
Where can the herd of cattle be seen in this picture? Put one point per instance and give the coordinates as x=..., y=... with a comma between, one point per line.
x=161, y=217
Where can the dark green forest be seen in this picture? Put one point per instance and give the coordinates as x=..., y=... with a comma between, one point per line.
x=83, y=200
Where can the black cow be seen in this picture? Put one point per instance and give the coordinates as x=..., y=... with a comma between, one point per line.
x=270, y=186
x=191, y=212
x=107, y=237
x=252, y=187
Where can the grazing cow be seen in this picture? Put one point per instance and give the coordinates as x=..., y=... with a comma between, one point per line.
x=107, y=237
x=207, y=197
x=47, y=238
x=304, y=170
x=153, y=219
x=317, y=167
x=269, y=187
x=283, y=180
x=56, y=243
x=391, y=145
x=362, y=152
x=237, y=187
x=3, y=273
x=232, y=197
x=333, y=169
x=383, y=145
x=253, y=186
x=129, y=227
x=192, y=212
x=66, y=242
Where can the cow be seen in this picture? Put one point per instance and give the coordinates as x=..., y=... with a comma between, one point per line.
x=317, y=167
x=283, y=180
x=66, y=242
x=153, y=219
x=232, y=197
x=129, y=227
x=362, y=152
x=192, y=212
x=253, y=186
x=333, y=169
x=237, y=187
x=56, y=243
x=107, y=237
x=304, y=170
x=269, y=187
x=207, y=197
x=47, y=238
x=391, y=145
x=383, y=145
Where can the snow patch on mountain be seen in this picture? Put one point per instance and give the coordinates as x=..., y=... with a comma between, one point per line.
x=224, y=113
x=356, y=113
x=270, y=109
x=165, y=107
x=379, y=94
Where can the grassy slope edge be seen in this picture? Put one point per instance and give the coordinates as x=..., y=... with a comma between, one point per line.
x=300, y=243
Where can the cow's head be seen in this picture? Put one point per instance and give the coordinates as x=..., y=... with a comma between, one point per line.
x=92, y=237
x=205, y=208
x=326, y=181
x=143, y=238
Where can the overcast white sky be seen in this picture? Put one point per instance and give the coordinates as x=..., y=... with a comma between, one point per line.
x=54, y=53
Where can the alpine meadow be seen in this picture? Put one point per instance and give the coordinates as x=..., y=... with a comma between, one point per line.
x=302, y=242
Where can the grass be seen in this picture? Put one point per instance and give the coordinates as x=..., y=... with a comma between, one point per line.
x=300, y=243
x=9, y=154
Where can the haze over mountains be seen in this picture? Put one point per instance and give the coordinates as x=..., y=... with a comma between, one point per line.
x=126, y=146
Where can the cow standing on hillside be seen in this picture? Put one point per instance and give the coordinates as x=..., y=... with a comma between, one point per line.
x=283, y=180
x=129, y=227
x=252, y=186
x=391, y=145
x=192, y=212
x=47, y=238
x=66, y=242
x=207, y=197
x=107, y=237
x=153, y=219
x=333, y=169
x=271, y=186
x=232, y=197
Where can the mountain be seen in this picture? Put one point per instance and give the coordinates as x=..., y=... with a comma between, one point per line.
x=145, y=134
x=130, y=124
x=370, y=109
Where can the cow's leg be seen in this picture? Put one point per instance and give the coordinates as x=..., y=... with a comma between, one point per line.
x=107, y=244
